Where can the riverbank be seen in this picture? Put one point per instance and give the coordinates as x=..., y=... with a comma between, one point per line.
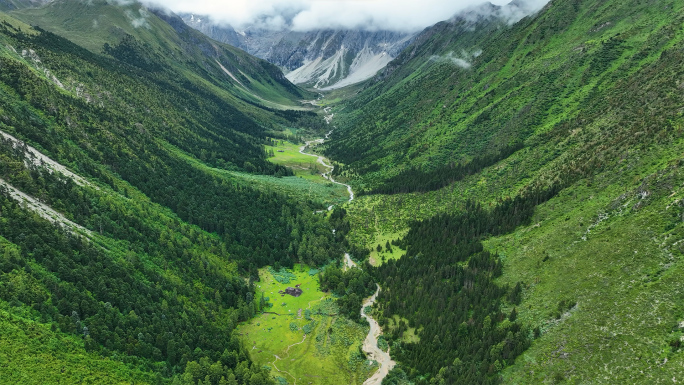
x=322, y=161
x=370, y=344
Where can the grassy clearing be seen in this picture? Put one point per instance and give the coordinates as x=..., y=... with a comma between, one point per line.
x=313, y=188
x=303, y=188
x=307, y=168
x=410, y=334
x=305, y=342
x=287, y=154
x=378, y=258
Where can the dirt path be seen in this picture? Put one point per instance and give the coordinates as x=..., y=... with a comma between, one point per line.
x=315, y=300
x=286, y=351
x=300, y=342
x=282, y=371
x=370, y=345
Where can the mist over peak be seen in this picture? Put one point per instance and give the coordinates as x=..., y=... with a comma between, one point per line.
x=307, y=15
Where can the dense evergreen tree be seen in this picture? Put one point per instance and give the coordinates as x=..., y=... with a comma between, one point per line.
x=445, y=285
x=159, y=283
x=352, y=286
x=415, y=179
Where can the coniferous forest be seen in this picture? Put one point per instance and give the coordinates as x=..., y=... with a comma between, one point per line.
x=510, y=185
x=164, y=268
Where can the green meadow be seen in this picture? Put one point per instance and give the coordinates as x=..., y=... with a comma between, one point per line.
x=304, y=185
x=302, y=339
x=287, y=154
x=307, y=168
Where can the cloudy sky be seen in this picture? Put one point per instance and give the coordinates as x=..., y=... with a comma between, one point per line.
x=398, y=15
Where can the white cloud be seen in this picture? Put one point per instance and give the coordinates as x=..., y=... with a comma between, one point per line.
x=397, y=15
x=138, y=20
x=462, y=60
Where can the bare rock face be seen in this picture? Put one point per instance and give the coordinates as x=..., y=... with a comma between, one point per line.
x=328, y=59
x=323, y=59
x=223, y=34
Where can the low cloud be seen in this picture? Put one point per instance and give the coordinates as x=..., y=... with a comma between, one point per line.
x=510, y=13
x=305, y=15
x=138, y=19
x=461, y=60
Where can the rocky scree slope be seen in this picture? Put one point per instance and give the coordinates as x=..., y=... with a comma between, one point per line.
x=323, y=59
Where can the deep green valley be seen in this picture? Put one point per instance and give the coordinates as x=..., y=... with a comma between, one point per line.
x=502, y=203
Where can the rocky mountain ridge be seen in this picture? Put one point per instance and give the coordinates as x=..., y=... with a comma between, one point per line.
x=327, y=59
x=323, y=59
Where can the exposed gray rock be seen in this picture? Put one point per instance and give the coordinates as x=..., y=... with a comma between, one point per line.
x=323, y=59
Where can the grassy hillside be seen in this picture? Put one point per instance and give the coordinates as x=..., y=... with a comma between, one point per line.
x=520, y=82
x=33, y=353
x=137, y=206
x=153, y=39
x=557, y=149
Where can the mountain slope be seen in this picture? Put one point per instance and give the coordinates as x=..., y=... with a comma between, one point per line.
x=9, y=5
x=126, y=223
x=534, y=168
x=151, y=38
x=521, y=190
x=484, y=88
x=323, y=59
x=334, y=59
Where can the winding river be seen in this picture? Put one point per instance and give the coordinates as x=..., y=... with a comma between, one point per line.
x=322, y=160
x=370, y=344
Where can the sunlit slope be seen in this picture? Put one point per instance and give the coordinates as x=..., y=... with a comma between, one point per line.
x=32, y=353
x=476, y=88
x=577, y=113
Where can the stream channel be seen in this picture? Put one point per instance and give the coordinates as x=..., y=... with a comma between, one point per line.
x=370, y=344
